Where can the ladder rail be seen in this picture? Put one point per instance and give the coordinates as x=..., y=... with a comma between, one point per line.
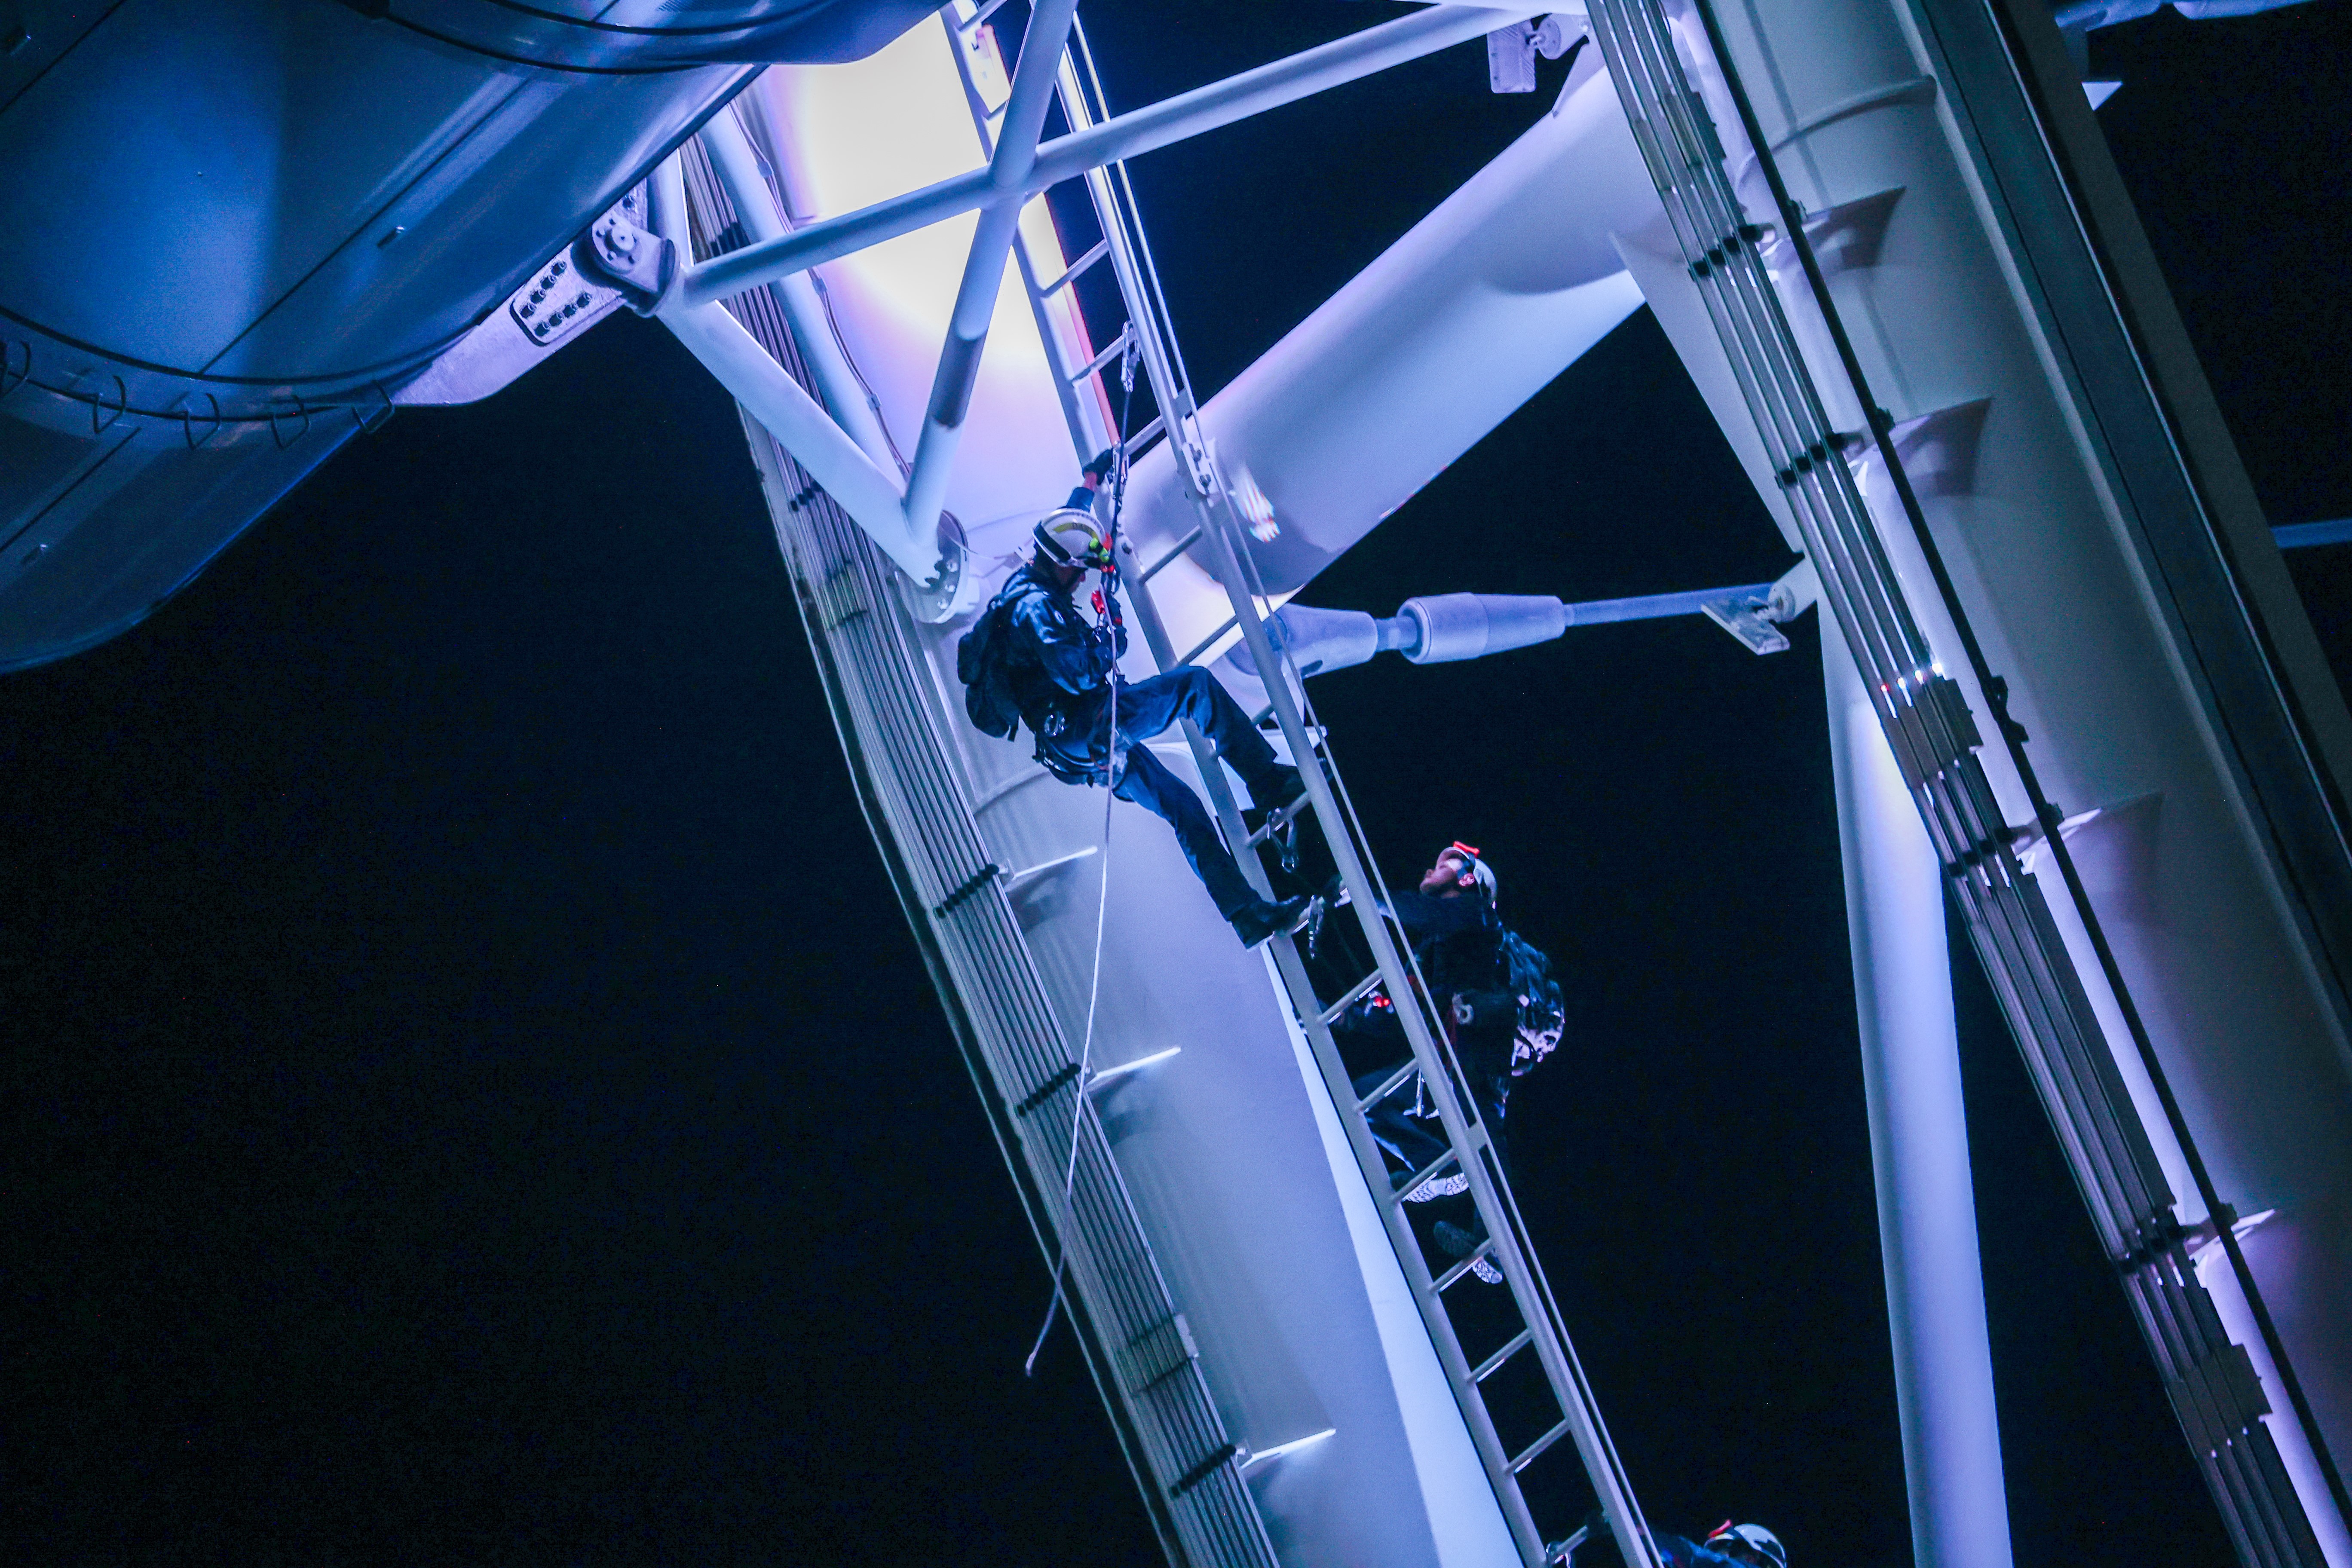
x=1442, y=1075
x=1396, y=969
x=1561, y=1363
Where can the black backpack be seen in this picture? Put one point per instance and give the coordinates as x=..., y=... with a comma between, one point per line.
x=987, y=673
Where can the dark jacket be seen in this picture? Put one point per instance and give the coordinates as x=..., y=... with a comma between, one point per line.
x=1458, y=941
x=1059, y=665
x=1459, y=945
x=1677, y=1552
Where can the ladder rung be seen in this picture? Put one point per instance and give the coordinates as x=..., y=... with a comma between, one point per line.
x=1363, y=989
x=1179, y=548
x=1446, y=1281
x=1142, y=438
x=1396, y=1080
x=1535, y=1449
x=1486, y=1369
x=1101, y=250
x=983, y=15
x=1275, y=821
x=1412, y=1183
x=1206, y=643
x=1118, y=347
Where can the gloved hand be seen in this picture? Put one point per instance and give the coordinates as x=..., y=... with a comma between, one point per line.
x=1100, y=466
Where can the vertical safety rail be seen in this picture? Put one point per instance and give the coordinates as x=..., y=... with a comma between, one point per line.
x=2211, y=1382
x=1216, y=543
x=891, y=721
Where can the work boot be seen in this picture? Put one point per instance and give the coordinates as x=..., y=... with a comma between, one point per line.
x=1456, y=1242
x=1429, y=1191
x=1259, y=919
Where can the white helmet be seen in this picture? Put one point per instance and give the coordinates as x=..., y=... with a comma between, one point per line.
x=1069, y=537
x=1482, y=876
x=1752, y=1538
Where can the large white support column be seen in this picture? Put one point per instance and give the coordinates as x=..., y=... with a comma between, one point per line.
x=1918, y=1141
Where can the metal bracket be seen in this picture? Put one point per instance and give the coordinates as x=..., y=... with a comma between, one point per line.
x=1751, y=620
x=1511, y=51
x=953, y=588
x=642, y=265
x=567, y=296
x=1200, y=456
x=1255, y=1459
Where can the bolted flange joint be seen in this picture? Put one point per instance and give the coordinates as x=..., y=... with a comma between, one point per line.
x=642, y=265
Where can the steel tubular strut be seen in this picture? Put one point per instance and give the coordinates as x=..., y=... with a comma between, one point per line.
x=1935, y=741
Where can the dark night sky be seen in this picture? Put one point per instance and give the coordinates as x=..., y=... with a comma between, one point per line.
x=478, y=1100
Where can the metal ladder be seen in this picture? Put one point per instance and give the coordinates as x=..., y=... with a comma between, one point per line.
x=1138, y=1348
x=1473, y=1351
x=2211, y=1382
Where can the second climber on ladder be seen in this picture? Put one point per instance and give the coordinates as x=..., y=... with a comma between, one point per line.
x=1033, y=657
x=1502, y=1013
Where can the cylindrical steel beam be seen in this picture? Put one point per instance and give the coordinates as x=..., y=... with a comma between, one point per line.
x=738, y=170
x=983, y=268
x=1173, y=120
x=1918, y=1143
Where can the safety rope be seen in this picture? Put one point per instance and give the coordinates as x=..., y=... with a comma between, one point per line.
x=1106, y=622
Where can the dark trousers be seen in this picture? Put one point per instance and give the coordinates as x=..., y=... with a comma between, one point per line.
x=1416, y=1144
x=1149, y=707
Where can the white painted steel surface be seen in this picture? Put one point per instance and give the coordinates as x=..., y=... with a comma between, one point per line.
x=2035, y=523
x=1466, y=317
x=1918, y=1143
x=1253, y=91
x=844, y=137
x=1435, y=343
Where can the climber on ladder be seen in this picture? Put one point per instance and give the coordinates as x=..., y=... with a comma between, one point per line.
x=1032, y=657
x=1502, y=1012
x=1729, y=1545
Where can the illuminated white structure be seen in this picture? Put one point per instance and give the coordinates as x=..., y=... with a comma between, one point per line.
x=2046, y=580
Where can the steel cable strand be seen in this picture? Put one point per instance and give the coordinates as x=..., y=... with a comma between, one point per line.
x=1110, y=796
